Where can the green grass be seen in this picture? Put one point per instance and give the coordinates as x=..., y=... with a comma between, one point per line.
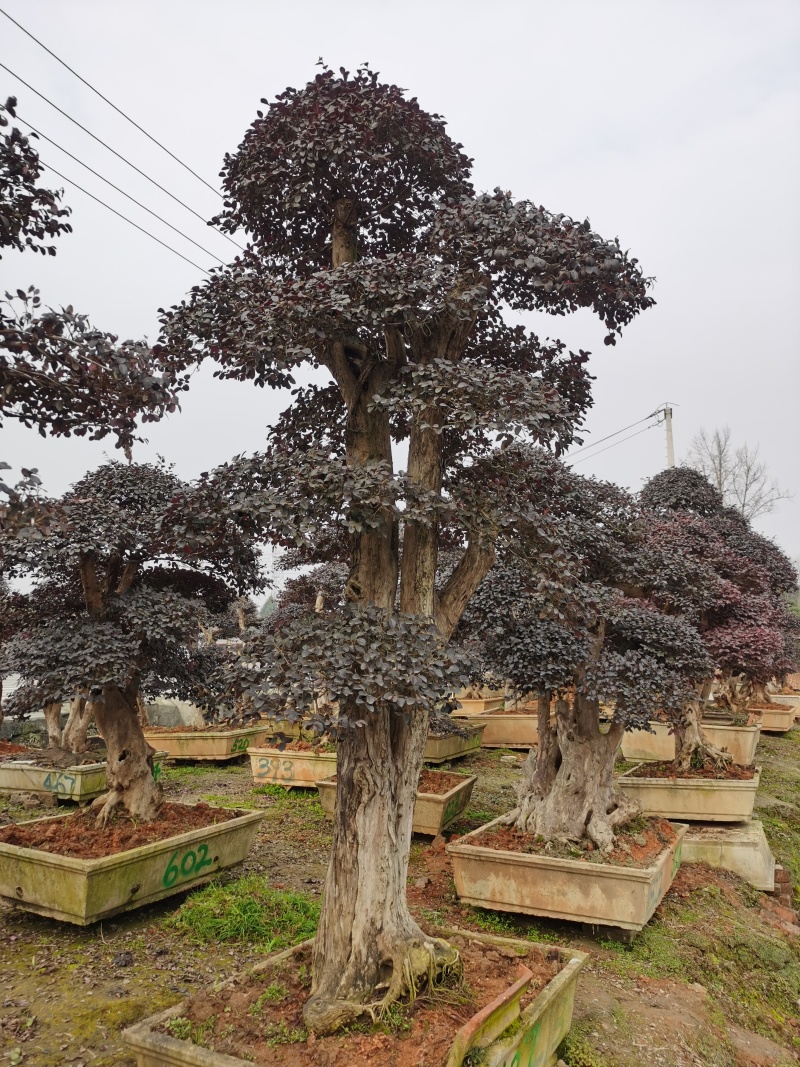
x=247, y=910
x=227, y=801
x=179, y=772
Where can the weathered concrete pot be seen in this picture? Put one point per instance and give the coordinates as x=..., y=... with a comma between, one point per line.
x=478, y=707
x=289, y=768
x=537, y=1031
x=791, y=699
x=432, y=811
x=444, y=747
x=82, y=891
x=77, y=783
x=207, y=744
x=776, y=721
x=740, y=741
x=505, y=731
x=695, y=799
x=596, y=893
x=741, y=849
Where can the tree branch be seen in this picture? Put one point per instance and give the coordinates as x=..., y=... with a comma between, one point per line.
x=472, y=568
x=91, y=586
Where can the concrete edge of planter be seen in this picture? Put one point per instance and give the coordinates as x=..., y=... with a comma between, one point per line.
x=245, y=816
x=466, y=785
x=690, y=783
x=573, y=961
x=162, y=1049
x=603, y=870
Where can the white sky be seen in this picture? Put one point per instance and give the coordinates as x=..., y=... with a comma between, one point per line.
x=671, y=124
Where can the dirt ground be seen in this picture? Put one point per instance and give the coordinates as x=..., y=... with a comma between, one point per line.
x=713, y=980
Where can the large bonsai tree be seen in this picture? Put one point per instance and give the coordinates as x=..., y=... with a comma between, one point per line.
x=119, y=597
x=375, y=263
x=742, y=613
x=571, y=612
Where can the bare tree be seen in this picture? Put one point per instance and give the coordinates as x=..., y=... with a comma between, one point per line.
x=739, y=474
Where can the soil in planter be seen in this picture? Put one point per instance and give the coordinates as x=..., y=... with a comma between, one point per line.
x=9, y=749
x=76, y=835
x=638, y=845
x=774, y=706
x=260, y=1017
x=211, y=727
x=438, y=782
x=666, y=769
x=301, y=745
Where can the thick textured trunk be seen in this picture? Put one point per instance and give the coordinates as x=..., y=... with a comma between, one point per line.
x=78, y=723
x=130, y=758
x=579, y=801
x=52, y=718
x=692, y=747
x=369, y=950
x=540, y=768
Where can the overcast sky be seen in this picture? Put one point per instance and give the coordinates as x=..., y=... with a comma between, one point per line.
x=673, y=125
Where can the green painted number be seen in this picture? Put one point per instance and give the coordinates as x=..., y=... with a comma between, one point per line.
x=240, y=744
x=190, y=865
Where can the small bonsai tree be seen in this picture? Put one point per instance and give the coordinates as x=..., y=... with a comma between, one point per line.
x=375, y=263
x=748, y=630
x=584, y=632
x=119, y=596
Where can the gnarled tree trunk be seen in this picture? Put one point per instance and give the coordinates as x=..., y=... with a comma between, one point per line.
x=579, y=801
x=78, y=723
x=52, y=718
x=691, y=745
x=541, y=766
x=130, y=758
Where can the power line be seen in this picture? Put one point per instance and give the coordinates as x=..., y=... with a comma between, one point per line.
x=110, y=104
x=133, y=199
x=126, y=219
x=616, y=433
x=117, y=154
x=622, y=442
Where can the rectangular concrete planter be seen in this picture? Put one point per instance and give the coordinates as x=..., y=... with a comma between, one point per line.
x=445, y=747
x=78, y=783
x=596, y=893
x=537, y=1031
x=741, y=849
x=291, y=769
x=777, y=720
x=207, y=744
x=83, y=891
x=432, y=811
x=695, y=799
x=505, y=731
x=791, y=700
x=740, y=741
x=478, y=707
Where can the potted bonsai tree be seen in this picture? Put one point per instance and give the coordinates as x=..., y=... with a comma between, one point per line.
x=118, y=595
x=374, y=262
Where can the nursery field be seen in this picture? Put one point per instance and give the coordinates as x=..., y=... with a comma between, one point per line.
x=714, y=979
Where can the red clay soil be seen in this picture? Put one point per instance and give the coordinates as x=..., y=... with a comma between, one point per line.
x=212, y=726
x=635, y=849
x=260, y=1009
x=76, y=835
x=511, y=711
x=8, y=748
x=437, y=782
x=775, y=705
x=666, y=769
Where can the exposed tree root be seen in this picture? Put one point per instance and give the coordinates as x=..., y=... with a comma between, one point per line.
x=417, y=964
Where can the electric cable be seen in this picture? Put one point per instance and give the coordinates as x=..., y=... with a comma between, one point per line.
x=118, y=155
x=125, y=218
x=622, y=442
x=111, y=104
x=133, y=199
x=608, y=437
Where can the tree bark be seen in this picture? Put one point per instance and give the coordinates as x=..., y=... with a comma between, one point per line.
x=579, y=801
x=130, y=758
x=52, y=718
x=692, y=747
x=78, y=723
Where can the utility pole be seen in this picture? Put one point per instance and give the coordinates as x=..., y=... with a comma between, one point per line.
x=670, y=446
